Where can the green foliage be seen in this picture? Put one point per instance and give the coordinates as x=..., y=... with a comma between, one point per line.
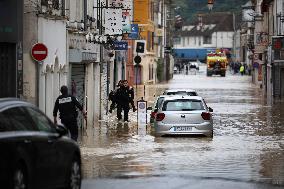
x=189, y=8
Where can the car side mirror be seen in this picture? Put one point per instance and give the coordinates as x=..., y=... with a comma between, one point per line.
x=210, y=109
x=149, y=108
x=61, y=129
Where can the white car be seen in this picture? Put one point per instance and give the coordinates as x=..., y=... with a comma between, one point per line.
x=194, y=65
x=183, y=115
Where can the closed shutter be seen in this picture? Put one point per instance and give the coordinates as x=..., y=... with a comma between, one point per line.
x=8, y=70
x=276, y=81
x=78, y=77
x=282, y=82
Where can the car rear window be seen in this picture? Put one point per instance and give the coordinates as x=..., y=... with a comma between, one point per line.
x=183, y=105
x=182, y=93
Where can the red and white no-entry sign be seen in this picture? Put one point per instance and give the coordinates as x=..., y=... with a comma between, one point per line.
x=39, y=52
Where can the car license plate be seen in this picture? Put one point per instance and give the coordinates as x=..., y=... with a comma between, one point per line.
x=181, y=128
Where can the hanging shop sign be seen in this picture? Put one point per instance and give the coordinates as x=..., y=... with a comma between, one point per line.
x=113, y=21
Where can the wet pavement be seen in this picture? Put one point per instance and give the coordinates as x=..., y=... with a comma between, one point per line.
x=247, y=149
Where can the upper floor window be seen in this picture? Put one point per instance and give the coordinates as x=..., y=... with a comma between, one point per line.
x=207, y=40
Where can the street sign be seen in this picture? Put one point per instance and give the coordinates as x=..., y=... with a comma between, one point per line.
x=120, y=45
x=137, y=59
x=142, y=113
x=134, y=31
x=168, y=49
x=140, y=47
x=113, y=21
x=39, y=52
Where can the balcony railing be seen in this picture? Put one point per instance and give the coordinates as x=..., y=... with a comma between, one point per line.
x=52, y=7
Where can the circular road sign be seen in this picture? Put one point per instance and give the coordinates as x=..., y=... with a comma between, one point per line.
x=39, y=52
x=137, y=59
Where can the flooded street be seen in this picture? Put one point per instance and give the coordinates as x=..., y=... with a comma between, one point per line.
x=247, y=147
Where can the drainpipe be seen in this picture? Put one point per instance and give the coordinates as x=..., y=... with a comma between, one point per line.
x=85, y=15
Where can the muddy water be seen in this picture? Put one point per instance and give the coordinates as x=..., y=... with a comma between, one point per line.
x=248, y=142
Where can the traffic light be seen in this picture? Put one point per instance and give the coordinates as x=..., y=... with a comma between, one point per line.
x=140, y=47
x=277, y=43
x=137, y=59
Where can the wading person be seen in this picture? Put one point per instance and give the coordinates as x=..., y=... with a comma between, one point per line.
x=113, y=98
x=67, y=104
x=123, y=101
x=131, y=96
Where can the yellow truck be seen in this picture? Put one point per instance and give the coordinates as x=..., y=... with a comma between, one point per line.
x=216, y=64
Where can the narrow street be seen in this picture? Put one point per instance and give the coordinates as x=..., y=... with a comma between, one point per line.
x=247, y=150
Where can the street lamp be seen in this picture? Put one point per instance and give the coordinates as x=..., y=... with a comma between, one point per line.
x=210, y=4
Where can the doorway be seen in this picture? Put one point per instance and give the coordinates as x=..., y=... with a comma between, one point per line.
x=78, y=87
x=282, y=82
x=8, y=70
x=137, y=73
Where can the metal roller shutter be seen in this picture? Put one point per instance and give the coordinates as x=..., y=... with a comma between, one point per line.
x=8, y=70
x=78, y=77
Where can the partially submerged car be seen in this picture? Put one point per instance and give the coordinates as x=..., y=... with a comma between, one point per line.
x=183, y=115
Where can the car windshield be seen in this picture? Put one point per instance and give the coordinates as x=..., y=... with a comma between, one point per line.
x=183, y=105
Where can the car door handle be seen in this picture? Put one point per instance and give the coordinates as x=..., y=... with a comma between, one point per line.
x=182, y=116
x=26, y=141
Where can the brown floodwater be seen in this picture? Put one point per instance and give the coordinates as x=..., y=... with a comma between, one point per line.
x=248, y=142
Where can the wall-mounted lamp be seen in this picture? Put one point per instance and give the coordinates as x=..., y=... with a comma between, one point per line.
x=106, y=40
x=280, y=17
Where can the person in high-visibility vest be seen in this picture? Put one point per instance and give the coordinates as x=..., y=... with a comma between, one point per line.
x=242, y=69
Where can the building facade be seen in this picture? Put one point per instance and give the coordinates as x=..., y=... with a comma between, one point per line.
x=209, y=32
x=11, y=48
x=144, y=17
x=267, y=56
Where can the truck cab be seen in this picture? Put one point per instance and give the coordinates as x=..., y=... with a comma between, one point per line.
x=216, y=64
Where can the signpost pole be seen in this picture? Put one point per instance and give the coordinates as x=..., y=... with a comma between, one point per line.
x=141, y=116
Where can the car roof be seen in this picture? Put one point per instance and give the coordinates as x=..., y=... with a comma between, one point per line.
x=163, y=96
x=175, y=97
x=179, y=90
x=9, y=102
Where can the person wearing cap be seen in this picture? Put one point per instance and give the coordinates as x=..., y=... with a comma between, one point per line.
x=67, y=106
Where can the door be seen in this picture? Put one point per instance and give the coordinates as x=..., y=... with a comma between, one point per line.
x=45, y=144
x=138, y=74
x=78, y=87
x=22, y=143
x=8, y=70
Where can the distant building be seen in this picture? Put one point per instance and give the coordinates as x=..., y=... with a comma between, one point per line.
x=206, y=33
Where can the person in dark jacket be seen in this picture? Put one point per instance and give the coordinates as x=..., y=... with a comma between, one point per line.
x=112, y=97
x=131, y=96
x=67, y=104
x=123, y=100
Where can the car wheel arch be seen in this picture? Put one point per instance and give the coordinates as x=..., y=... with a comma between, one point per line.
x=76, y=157
x=21, y=165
